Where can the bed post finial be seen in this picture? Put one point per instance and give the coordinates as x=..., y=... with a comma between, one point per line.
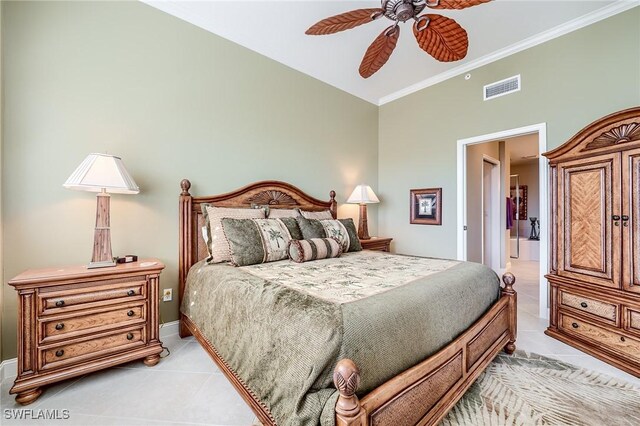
x=509, y=280
x=185, y=185
x=346, y=378
x=334, y=205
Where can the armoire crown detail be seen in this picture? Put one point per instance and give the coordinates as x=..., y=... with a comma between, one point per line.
x=621, y=134
x=594, y=191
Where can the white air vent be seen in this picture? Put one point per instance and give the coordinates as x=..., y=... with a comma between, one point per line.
x=502, y=87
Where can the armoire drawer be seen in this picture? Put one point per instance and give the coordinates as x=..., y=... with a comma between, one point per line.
x=600, y=336
x=632, y=322
x=603, y=310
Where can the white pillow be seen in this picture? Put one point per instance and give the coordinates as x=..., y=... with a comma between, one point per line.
x=280, y=213
x=321, y=215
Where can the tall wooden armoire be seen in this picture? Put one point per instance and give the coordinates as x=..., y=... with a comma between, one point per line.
x=595, y=240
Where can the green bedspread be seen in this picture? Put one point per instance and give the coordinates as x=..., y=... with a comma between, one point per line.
x=283, y=326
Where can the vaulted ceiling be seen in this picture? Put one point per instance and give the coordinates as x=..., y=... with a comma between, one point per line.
x=276, y=29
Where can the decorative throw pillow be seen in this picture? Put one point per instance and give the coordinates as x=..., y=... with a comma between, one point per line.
x=217, y=242
x=279, y=213
x=313, y=249
x=292, y=225
x=322, y=215
x=257, y=240
x=343, y=230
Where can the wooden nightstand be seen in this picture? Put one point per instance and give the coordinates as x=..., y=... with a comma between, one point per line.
x=376, y=243
x=74, y=320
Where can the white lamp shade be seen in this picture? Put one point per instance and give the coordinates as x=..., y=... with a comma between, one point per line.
x=363, y=194
x=102, y=171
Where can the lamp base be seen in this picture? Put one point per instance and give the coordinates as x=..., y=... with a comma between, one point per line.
x=102, y=256
x=102, y=264
x=363, y=229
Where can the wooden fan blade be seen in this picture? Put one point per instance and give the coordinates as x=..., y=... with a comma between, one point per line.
x=344, y=21
x=378, y=53
x=443, y=38
x=454, y=4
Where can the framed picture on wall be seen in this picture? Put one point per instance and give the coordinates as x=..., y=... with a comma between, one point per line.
x=426, y=206
x=519, y=202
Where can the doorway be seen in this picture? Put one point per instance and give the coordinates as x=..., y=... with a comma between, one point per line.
x=473, y=177
x=490, y=231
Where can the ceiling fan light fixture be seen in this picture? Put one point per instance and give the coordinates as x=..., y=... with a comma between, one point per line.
x=422, y=23
x=441, y=37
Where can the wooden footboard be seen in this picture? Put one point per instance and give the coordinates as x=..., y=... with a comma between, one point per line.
x=425, y=393
x=421, y=395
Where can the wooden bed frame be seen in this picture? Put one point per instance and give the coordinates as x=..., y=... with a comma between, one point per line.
x=421, y=395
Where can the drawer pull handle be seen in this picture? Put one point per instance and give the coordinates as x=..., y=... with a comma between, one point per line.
x=574, y=325
x=584, y=305
x=59, y=326
x=129, y=336
x=622, y=339
x=131, y=292
x=59, y=352
x=130, y=313
x=60, y=303
x=615, y=217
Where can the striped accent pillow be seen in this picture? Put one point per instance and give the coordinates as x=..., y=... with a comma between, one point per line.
x=314, y=249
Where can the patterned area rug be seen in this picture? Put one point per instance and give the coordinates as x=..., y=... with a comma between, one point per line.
x=529, y=389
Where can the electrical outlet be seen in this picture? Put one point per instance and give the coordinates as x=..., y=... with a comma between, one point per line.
x=167, y=295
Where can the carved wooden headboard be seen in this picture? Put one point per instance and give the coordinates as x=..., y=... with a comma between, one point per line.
x=277, y=195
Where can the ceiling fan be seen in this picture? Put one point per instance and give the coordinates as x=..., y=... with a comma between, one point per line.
x=439, y=36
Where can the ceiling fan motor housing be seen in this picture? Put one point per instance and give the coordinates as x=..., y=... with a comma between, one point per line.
x=402, y=10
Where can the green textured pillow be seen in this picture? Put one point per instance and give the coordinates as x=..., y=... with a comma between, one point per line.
x=253, y=241
x=217, y=244
x=314, y=249
x=343, y=230
x=353, y=234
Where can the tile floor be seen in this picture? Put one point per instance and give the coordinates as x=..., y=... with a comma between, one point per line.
x=186, y=388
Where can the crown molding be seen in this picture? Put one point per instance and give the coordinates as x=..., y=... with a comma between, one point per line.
x=570, y=26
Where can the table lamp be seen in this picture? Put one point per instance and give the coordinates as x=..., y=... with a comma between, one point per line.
x=363, y=195
x=101, y=173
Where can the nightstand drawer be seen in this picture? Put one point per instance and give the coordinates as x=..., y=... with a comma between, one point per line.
x=68, y=326
x=600, y=336
x=98, y=294
x=85, y=349
x=603, y=310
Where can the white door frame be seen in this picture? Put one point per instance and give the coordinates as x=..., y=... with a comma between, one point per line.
x=495, y=207
x=541, y=130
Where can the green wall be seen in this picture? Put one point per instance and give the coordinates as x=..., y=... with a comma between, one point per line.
x=174, y=101
x=567, y=83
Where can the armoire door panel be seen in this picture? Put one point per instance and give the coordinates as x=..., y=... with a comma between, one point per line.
x=631, y=220
x=588, y=234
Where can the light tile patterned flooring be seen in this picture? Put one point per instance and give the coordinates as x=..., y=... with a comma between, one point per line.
x=186, y=388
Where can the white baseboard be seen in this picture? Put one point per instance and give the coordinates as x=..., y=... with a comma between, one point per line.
x=9, y=367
